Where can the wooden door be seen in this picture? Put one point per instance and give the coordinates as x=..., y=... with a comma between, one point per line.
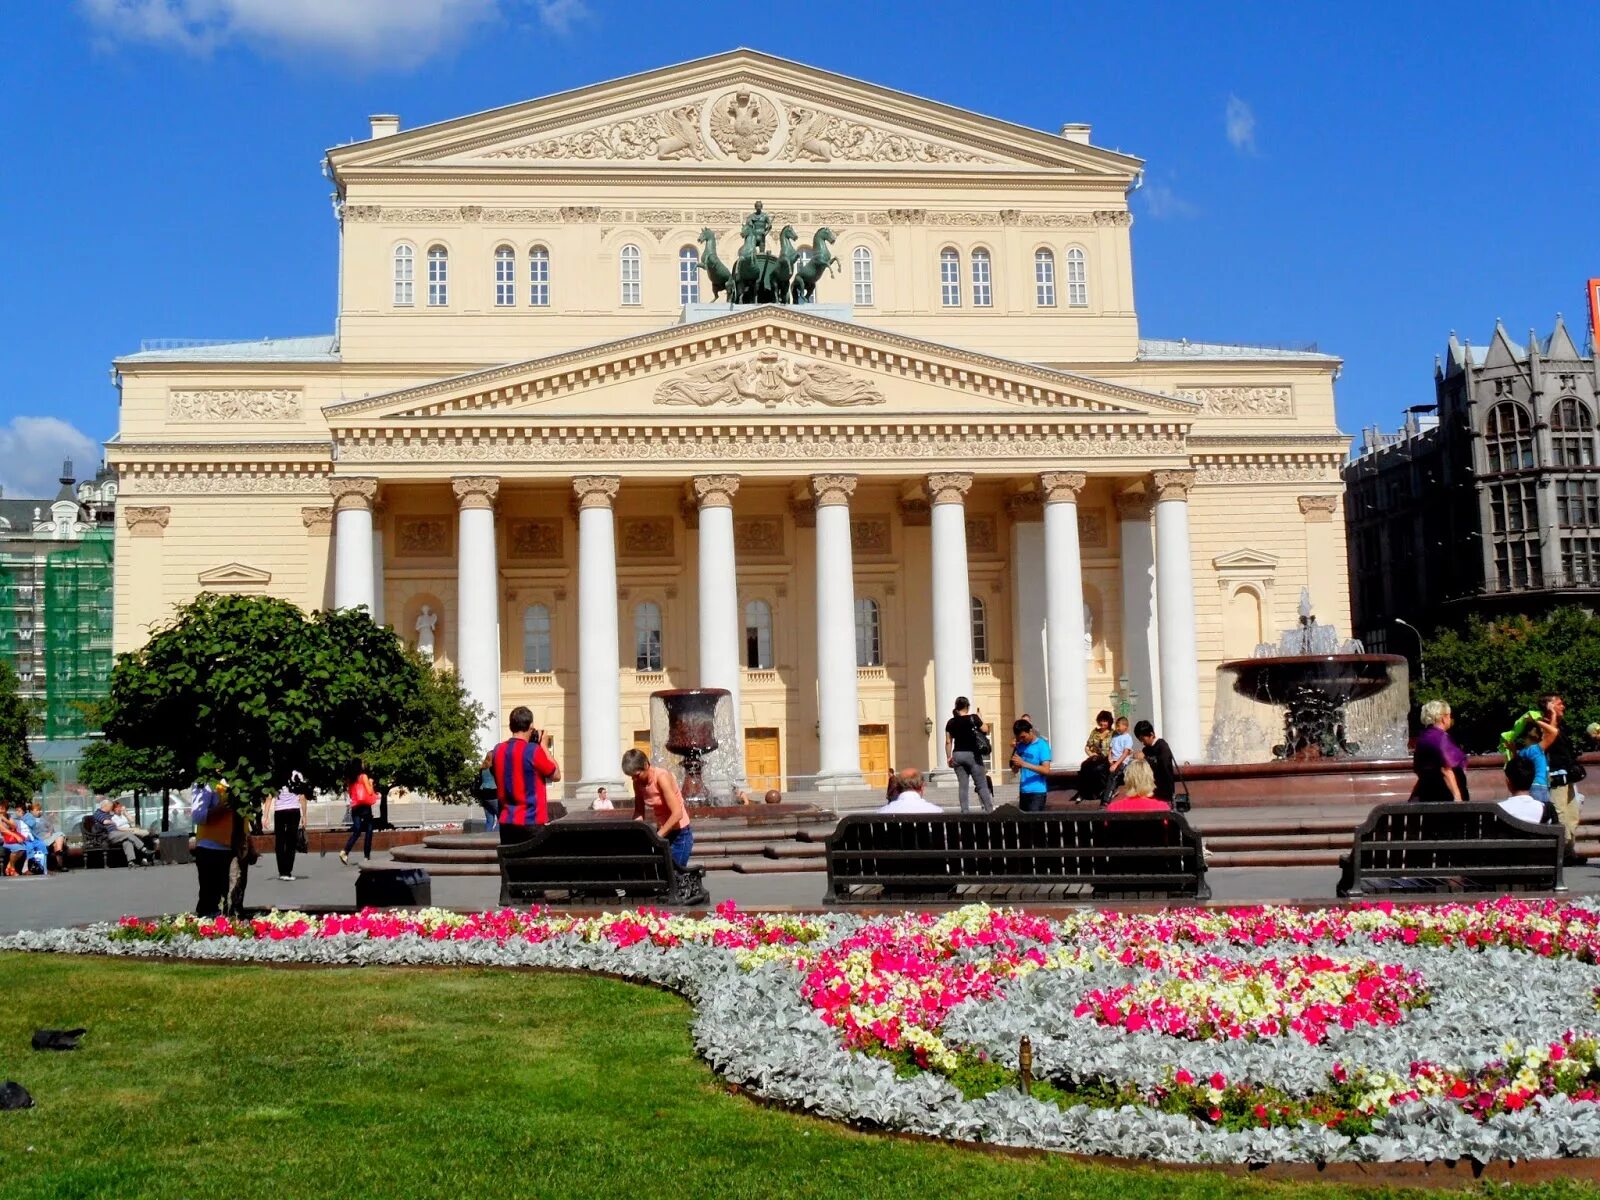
x=875, y=755
x=763, y=764
x=641, y=741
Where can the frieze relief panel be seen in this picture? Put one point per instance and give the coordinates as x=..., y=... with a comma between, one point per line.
x=982, y=536
x=234, y=404
x=1092, y=527
x=672, y=133
x=649, y=537
x=869, y=535
x=423, y=537
x=535, y=539
x=758, y=537
x=769, y=379
x=1242, y=401
x=818, y=136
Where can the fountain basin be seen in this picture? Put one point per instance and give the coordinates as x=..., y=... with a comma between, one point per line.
x=1339, y=677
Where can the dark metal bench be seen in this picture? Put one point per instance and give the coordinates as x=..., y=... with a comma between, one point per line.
x=1449, y=847
x=1010, y=854
x=96, y=850
x=595, y=858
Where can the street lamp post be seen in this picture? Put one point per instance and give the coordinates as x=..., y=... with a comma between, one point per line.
x=1422, y=663
x=1125, y=699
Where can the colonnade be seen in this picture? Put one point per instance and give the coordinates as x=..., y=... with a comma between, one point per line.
x=357, y=579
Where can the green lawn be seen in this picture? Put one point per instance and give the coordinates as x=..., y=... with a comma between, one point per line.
x=215, y=1081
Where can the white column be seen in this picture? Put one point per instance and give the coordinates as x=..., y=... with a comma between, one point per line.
x=1066, y=664
x=838, y=715
x=1140, y=649
x=1027, y=607
x=377, y=566
x=599, y=666
x=952, y=597
x=352, y=542
x=478, y=600
x=1180, y=671
x=720, y=626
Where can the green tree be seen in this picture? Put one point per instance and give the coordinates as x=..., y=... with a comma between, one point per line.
x=252, y=688
x=1489, y=671
x=20, y=775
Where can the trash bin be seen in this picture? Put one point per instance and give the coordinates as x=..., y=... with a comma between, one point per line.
x=174, y=848
x=394, y=887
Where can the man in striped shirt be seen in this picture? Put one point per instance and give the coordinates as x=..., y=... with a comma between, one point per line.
x=522, y=767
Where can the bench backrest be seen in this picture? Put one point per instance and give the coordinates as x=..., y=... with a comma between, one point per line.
x=578, y=853
x=93, y=835
x=1482, y=840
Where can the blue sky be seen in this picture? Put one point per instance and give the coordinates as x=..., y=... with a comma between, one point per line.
x=1367, y=176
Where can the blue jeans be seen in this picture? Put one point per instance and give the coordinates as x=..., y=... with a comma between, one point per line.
x=491, y=814
x=360, y=821
x=1540, y=792
x=1032, y=801
x=681, y=841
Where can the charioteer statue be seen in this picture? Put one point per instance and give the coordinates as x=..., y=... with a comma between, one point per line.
x=759, y=277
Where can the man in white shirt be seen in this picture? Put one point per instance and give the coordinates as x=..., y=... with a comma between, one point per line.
x=1520, y=803
x=906, y=794
x=602, y=801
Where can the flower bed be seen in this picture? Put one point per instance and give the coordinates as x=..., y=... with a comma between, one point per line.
x=1367, y=1033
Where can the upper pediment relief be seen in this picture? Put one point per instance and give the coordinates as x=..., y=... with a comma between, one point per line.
x=741, y=108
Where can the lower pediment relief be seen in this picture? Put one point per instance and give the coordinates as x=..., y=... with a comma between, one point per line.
x=769, y=379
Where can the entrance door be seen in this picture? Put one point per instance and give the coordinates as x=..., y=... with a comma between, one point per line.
x=875, y=754
x=763, y=765
x=641, y=741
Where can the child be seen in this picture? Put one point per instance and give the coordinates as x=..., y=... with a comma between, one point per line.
x=1120, y=753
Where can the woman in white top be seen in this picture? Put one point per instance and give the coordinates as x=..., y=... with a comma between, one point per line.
x=288, y=818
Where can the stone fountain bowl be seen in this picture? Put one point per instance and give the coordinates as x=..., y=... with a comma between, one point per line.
x=691, y=717
x=1341, y=678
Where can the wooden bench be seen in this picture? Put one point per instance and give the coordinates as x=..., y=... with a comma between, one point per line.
x=594, y=858
x=1011, y=854
x=1449, y=847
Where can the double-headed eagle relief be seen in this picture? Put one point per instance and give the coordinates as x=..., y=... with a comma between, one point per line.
x=742, y=123
x=759, y=277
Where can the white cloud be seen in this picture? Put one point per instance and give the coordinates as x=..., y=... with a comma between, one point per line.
x=31, y=450
x=1240, y=120
x=1162, y=203
x=392, y=33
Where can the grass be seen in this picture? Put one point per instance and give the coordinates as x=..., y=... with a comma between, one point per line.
x=200, y=1081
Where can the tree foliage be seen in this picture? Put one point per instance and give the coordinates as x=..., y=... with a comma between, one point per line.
x=20, y=775
x=254, y=688
x=1489, y=671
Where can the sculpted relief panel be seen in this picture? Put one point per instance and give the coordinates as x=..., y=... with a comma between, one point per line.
x=769, y=379
x=669, y=134
x=235, y=404
x=425, y=537
x=821, y=136
x=1242, y=401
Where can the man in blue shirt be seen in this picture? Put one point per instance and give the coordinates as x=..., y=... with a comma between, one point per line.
x=1031, y=753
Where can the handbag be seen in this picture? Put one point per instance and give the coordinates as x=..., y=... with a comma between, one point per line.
x=301, y=844
x=1180, y=797
x=980, y=739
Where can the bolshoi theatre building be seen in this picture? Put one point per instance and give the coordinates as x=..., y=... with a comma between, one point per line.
x=543, y=445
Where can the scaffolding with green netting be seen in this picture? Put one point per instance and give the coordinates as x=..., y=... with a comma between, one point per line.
x=55, y=627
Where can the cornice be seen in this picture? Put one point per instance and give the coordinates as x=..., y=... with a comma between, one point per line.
x=719, y=178
x=121, y=447
x=1338, y=442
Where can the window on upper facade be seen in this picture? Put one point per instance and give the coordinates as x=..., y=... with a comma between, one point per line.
x=647, y=637
x=758, y=635
x=1572, y=434
x=405, y=274
x=861, y=275
x=505, y=277
x=1044, y=278
x=689, y=275
x=632, y=275
x=949, y=278
x=1077, y=279
x=869, y=640
x=536, y=659
x=1578, y=503
x=982, y=280
x=1516, y=564
x=438, y=276
x=1508, y=437
x=980, y=631
x=1513, y=507
x=539, y=277
x=1580, y=560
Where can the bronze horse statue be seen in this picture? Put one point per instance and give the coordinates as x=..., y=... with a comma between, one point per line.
x=764, y=278
x=716, y=270
x=804, y=288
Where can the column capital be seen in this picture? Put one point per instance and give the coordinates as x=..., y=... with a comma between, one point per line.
x=318, y=519
x=596, y=491
x=715, y=491
x=833, y=489
x=1133, y=506
x=1318, y=508
x=1172, y=485
x=475, y=491
x=351, y=492
x=146, y=520
x=1062, y=486
x=948, y=487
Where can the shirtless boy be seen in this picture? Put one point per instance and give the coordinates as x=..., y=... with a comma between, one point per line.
x=656, y=787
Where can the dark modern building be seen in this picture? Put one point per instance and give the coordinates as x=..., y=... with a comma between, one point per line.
x=1487, y=500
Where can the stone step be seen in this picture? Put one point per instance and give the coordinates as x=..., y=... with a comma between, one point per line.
x=793, y=850
x=768, y=867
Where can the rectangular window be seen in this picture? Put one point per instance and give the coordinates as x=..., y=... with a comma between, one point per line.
x=1077, y=280
x=688, y=278
x=862, y=277
x=632, y=276
x=1044, y=280
x=539, y=279
x=505, y=280
x=982, y=280
x=404, y=282
x=438, y=280
x=950, y=280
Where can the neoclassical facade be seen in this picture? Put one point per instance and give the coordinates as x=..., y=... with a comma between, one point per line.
x=536, y=445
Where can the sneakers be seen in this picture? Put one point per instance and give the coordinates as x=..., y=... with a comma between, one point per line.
x=344, y=857
x=286, y=878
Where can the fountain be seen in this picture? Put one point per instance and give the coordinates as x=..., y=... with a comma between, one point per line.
x=696, y=724
x=1311, y=696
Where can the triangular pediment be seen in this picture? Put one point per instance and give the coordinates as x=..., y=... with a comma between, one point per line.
x=1245, y=560
x=234, y=576
x=764, y=362
x=739, y=108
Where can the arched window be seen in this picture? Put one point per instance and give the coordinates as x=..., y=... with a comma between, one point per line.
x=1508, y=437
x=505, y=277
x=861, y=275
x=982, y=280
x=1044, y=279
x=536, y=640
x=632, y=275
x=869, y=643
x=438, y=276
x=539, y=277
x=980, y=631
x=647, y=637
x=1077, y=279
x=1572, y=434
x=758, y=635
x=688, y=275
x=949, y=278
x=405, y=274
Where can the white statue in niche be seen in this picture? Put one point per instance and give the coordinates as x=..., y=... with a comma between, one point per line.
x=427, y=620
x=1088, y=630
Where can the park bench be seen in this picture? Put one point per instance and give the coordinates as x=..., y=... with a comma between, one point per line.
x=595, y=858
x=95, y=848
x=1013, y=855
x=1450, y=847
